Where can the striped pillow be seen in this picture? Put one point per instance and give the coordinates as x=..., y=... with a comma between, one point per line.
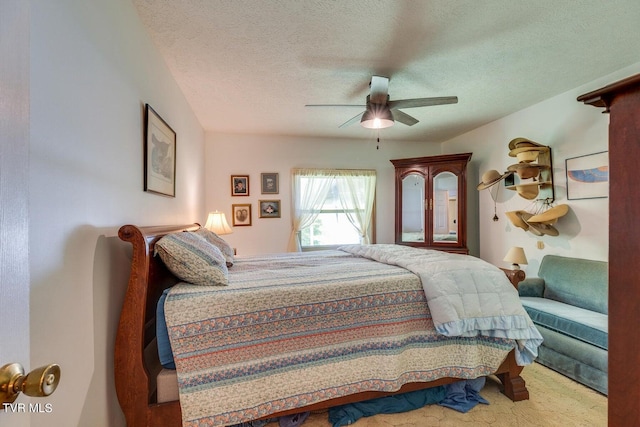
x=192, y=259
x=219, y=242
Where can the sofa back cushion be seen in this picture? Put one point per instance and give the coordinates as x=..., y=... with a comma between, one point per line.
x=579, y=282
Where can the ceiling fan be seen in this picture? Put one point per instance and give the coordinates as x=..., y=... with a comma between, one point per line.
x=381, y=112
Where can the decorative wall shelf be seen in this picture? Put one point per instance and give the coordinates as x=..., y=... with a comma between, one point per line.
x=544, y=179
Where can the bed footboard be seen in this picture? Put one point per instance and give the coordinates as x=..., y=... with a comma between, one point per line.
x=513, y=384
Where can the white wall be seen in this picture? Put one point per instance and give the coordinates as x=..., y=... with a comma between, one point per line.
x=93, y=68
x=14, y=213
x=571, y=129
x=252, y=155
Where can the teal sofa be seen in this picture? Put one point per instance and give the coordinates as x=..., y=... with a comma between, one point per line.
x=568, y=303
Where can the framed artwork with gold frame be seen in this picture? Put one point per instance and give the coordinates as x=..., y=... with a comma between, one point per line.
x=269, y=208
x=241, y=214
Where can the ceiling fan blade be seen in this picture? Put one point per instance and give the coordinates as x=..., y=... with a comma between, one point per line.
x=403, y=118
x=351, y=120
x=379, y=91
x=335, y=105
x=422, y=102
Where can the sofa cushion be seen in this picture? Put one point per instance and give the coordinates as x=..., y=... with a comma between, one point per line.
x=584, y=363
x=531, y=287
x=580, y=351
x=585, y=325
x=579, y=282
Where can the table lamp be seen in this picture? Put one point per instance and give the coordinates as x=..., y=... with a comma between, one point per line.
x=516, y=257
x=217, y=222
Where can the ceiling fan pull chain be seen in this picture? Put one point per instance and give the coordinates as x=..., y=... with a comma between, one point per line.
x=378, y=136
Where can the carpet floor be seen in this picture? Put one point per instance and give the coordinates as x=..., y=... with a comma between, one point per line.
x=554, y=400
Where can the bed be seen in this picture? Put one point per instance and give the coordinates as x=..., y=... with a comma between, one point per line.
x=137, y=365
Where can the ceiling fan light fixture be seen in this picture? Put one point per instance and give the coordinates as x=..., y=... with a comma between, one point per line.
x=377, y=116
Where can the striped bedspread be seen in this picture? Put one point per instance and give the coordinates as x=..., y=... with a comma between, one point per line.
x=295, y=329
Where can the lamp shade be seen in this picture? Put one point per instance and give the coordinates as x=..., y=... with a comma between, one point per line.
x=217, y=222
x=516, y=256
x=377, y=116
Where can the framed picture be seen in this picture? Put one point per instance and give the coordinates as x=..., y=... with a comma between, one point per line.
x=588, y=176
x=509, y=180
x=241, y=214
x=269, y=208
x=239, y=185
x=269, y=183
x=159, y=155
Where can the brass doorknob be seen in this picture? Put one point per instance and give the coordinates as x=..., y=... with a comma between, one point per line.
x=40, y=382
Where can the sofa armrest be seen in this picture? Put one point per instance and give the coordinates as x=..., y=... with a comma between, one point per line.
x=531, y=287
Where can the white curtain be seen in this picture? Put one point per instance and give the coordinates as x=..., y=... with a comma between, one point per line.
x=308, y=198
x=310, y=189
x=357, y=189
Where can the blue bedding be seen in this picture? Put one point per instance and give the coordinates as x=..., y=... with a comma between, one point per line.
x=162, y=335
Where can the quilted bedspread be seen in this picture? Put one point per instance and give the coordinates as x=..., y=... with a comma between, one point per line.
x=467, y=296
x=295, y=329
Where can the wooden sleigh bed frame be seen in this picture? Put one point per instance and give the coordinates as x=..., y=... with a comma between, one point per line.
x=136, y=357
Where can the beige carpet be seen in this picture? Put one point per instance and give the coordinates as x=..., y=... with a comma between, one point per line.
x=554, y=401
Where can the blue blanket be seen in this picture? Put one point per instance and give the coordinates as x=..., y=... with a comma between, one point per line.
x=348, y=414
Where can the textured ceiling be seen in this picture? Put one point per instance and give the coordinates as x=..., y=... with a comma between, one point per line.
x=250, y=66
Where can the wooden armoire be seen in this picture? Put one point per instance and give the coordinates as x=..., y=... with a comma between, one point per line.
x=622, y=101
x=431, y=202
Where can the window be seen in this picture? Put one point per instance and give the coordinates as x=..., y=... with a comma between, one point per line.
x=332, y=207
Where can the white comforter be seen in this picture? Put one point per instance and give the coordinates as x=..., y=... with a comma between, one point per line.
x=466, y=295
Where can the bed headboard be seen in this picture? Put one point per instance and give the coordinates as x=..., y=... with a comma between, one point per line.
x=136, y=358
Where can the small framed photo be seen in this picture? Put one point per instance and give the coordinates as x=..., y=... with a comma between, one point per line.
x=269, y=183
x=269, y=208
x=159, y=155
x=241, y=214
x=239, y=185
x=588, y=176
x=509, y=180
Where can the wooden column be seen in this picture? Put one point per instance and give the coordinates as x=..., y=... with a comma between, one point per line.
x=622, y=101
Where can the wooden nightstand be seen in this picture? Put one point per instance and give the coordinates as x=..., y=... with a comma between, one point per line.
x=514, y=276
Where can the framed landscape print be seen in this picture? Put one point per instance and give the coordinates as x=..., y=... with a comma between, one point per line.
x=241, y=214
x=269, y=208
x=159, y=155
x=588, y=176
x=239, y=185
x=269, y=183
